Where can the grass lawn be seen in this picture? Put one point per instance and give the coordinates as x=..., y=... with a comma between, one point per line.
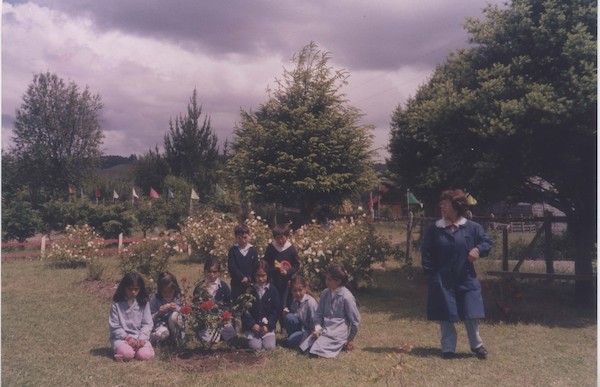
x=55, y=333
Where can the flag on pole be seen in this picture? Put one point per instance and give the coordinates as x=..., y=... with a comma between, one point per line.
x=194, y=195
x=170, y=194
x=98, y=193
x=220, y=191
x=471, y=201
x=153, y=194
x=81, y=191
x=412, y=199
x=71, y=190
x=370, y=201
x=134, y=194
x=115, y=194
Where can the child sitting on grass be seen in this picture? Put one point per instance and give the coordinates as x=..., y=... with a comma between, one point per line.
x=299, y=320
x=165, y=308
x=130, y=320
x=337, y=318
x=260, y=321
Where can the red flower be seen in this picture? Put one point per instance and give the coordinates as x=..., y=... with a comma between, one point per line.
x=186, y=309
x=207, y=305
x=227, y=315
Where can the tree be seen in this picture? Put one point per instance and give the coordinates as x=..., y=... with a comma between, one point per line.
x=57, y=136
x=304, y=147
x=19, y=221
x=191, y=147
x=514, y=116
x=150, y=170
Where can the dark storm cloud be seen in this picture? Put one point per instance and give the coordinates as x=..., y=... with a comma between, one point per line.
x=145, y=57
x=378, y=35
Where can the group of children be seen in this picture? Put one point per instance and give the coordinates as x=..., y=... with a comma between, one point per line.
x=319, y=329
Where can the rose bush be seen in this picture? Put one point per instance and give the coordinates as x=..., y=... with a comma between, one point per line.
x=151, y=256
x=350, y=243
x=79, y=246
x=211, y=234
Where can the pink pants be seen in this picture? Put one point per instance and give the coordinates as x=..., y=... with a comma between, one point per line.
x=126, y=352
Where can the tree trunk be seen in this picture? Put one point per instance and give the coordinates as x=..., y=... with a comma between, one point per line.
x=583, y=231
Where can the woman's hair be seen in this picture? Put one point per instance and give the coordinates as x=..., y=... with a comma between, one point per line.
x=337, y=272
x=131, y=279
x=241, y=229
x=262, y=265
x=210, y=262
x=167, y=280
x=281, y=229
x=457, y=199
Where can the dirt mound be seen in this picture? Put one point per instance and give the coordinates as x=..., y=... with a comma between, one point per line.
x=203, y=360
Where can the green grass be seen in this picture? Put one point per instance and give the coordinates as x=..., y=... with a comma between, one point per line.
x=56, y=333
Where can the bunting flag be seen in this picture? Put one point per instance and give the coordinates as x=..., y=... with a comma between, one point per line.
x=115, y=195
x=71, y=190
x=98, y=193
x=134, y=194
x=471, y=201
x=412, y=199
x=170, y=194
x=194, y=195
x=153, y=194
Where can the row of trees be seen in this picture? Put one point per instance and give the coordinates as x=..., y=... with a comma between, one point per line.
x=513, y=117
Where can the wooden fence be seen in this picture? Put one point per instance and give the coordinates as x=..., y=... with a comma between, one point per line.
x=543, y=228
x=38, y=248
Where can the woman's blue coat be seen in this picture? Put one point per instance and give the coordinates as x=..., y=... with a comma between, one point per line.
x=454, y=292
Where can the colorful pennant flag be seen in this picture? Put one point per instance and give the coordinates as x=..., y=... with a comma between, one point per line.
x=134, y=194
x=153, y=194
x=170, y=194
x=71, y=190
x=115, y=195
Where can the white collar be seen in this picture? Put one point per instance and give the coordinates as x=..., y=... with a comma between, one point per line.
x=244, y=250
x=443, y=223
x=281, y=248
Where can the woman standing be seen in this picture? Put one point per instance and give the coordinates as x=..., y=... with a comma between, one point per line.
x=449, y=248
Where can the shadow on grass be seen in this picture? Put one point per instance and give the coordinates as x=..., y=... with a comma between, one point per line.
x=403, y=293
x=102, y=352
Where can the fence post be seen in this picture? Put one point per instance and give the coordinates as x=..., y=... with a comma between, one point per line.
x=548, y=252
x=43, y=247
x=504, y=248
x=120, y=248
x=409, y=227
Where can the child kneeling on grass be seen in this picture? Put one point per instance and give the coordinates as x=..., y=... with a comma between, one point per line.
x=130, y=320
x=212, y=288
x=259, y=322
x=165, y=308
x=299, y=320
x=337, y=318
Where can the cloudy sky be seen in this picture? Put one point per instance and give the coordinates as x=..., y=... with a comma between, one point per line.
x=145, y=57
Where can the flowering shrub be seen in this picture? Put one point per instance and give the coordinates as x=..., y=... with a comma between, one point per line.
x=352, y=244
x=150, y=257
x=79, y=247
x=211, y=234
x=207, y=314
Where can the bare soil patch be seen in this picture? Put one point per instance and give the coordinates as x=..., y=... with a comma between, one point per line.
x=103, y=289
x=203, y=360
